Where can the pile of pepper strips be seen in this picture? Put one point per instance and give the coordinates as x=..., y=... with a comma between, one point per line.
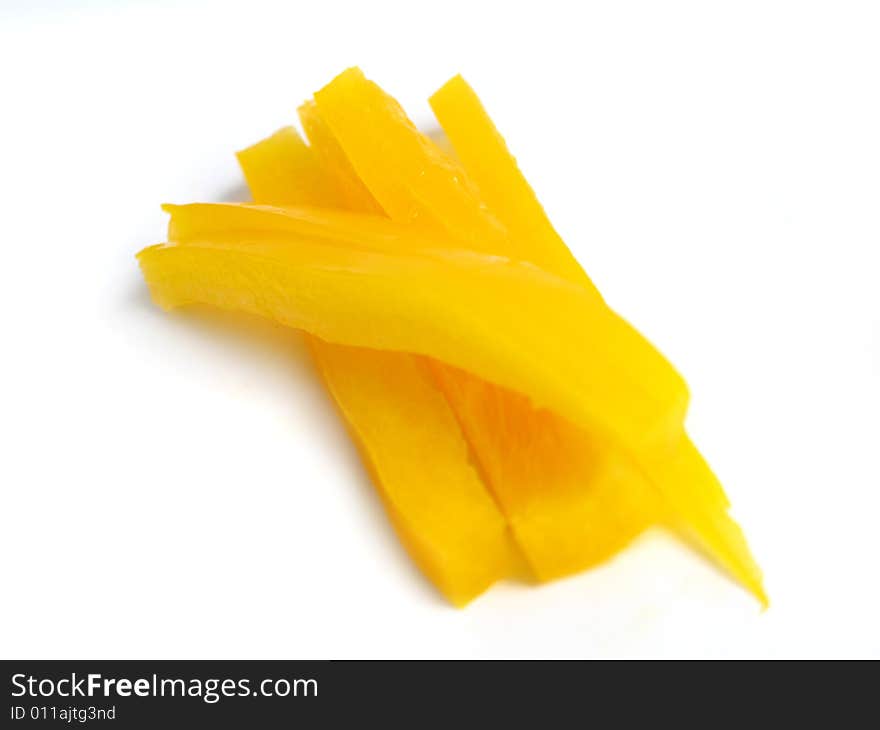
x=507, y=415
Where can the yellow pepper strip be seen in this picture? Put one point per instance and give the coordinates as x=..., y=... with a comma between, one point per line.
x=558, y=349
x=604, y=352
x=271, y=223
x=485, y=158
x=401, y=423
x=697, y=498
x=352, y=192
x=274, y=171
x=690, y=487
x=419, y=463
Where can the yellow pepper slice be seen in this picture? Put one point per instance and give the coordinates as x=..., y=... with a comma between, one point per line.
x=404, y=428
x=419, y=463
x=352, y=191
x=558, y=349
x=271, y=223
x=487, y=161
x=691, y=489
x=281, y=169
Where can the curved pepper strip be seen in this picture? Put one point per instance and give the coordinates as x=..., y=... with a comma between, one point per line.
x=559, y=350
x=635, y=393
x=688, y=484
x=404, y=429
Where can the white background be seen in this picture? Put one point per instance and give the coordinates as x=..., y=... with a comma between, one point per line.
x=179, y=486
